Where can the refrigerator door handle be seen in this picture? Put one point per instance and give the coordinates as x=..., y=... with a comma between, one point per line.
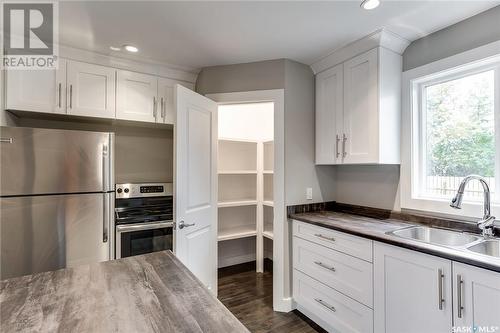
x=105, y=217
x=105, y=166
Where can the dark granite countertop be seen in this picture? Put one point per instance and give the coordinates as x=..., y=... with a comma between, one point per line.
x=376, y=229
x=147, y=293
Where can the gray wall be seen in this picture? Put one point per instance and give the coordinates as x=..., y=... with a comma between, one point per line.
x=368, y=185
x=473, y=32
x=378, y=186
x=298, y=82
x=262, y=75
x=300, y=170
x=141, y=154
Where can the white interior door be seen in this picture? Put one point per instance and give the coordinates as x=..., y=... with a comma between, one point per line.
x=196, y=184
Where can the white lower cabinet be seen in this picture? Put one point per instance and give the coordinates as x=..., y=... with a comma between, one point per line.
x=476, y=299
x=354, y=246
x=412, y=291
x=339, y=285
x=329, y=308
x=350, y=276
x=333, y=278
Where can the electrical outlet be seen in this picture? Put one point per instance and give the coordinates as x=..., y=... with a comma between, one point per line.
x=309, y=193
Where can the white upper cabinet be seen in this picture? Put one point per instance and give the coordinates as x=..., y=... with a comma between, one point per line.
x=477, y=297
x=143, y=97
x=137, y=97
x=84, y=89
x=329, y=115
x=37, y=90
x=166, y=99
x=358, y=113
x=90, y=90
x=360, y=133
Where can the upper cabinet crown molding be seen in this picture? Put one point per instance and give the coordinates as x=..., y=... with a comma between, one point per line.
x=186, y=74
x=380, y=38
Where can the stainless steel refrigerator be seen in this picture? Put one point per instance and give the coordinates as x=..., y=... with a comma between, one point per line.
x=57, y=199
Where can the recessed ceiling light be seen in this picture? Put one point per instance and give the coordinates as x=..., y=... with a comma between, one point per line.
x=131, y=48
x=370, y=4
x=114, y=48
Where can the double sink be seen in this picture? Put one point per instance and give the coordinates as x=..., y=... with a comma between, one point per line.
x=449, y=238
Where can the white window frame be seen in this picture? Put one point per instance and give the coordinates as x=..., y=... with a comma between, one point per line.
x=467, y=63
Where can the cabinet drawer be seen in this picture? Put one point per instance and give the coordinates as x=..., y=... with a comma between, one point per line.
x=330, y=309
x=351, y=276
x=352, y=245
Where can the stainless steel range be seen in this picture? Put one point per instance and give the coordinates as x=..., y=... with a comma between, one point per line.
x=144, y=218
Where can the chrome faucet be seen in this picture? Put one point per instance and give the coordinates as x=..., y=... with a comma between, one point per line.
x=487, y=223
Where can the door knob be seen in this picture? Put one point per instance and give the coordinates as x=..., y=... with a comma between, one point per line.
x=183, y=225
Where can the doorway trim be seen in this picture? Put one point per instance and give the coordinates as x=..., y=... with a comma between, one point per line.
x=277, y=96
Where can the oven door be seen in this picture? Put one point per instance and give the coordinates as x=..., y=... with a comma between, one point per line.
x=135, y=239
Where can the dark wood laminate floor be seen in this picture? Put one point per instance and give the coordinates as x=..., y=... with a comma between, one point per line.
x=249, y=296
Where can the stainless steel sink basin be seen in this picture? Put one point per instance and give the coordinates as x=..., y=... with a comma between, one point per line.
x=436, y=236
x=488, y=247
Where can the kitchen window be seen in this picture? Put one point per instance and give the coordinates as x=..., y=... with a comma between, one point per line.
x=452, y=130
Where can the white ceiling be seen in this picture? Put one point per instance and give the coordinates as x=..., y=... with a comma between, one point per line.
x=193, y=35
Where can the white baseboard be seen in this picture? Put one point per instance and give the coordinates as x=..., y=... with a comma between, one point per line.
x=284, y=305
x=230, y=261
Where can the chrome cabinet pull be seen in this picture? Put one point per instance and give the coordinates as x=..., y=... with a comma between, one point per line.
x=440, y=289
x=70, y=96
x=319, y=263
x=460, y=306
x=162, y=108
x=337, y=140
x=331, y=239
x=326, y=305
x=6, y=140
x=59, y=98
x=183, y=225
x=344, y=140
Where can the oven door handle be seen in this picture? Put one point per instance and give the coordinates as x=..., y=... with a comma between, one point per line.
x=143, y=226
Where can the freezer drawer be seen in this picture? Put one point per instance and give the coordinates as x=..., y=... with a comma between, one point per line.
x=43, y=233
x=47, y=161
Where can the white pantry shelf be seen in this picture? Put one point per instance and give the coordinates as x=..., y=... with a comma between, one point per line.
x=246, y=172
x=237, y=172
x=236, y=203
x=236, y=233
x=268, y=234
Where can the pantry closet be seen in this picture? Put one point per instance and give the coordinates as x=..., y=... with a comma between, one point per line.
x=245, y=183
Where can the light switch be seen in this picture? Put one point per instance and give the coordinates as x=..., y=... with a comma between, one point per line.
x=309, y=193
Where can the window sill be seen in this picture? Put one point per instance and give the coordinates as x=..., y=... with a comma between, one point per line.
x=471, y=210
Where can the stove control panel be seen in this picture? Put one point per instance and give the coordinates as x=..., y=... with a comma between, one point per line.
x=125, y=191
